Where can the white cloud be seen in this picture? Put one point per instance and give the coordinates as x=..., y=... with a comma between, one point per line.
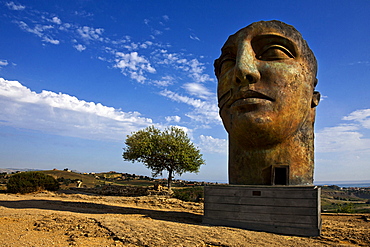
x=209, y=144
x=63, y=114
x=89, y=33
x=342, y=152
x=39, y=31
x=146, y=44
x=134, y=65
x=133, y=61
x=156, y=32
x=56, y=20
x=193, y=68
x=13, y=6
x=342, y=138
x=349, y=137
x=137, y=76
x=173, y=119
x=3, y=63
x=26, y=28
x=360, y=116
x=204, y=112
x=164, y=82
x=80, y=47
x=50, y=40
x=198, y=90
x=194, y=37
x=131, y=47
x=196, y=71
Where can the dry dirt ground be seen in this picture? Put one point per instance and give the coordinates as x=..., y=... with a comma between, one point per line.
x=72, y=219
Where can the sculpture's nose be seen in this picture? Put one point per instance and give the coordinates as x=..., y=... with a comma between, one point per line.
x=246, y=69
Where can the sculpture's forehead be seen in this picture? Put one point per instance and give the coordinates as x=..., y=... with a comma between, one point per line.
x=250, y=32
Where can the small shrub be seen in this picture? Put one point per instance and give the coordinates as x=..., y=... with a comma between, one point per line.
x=27, y=182
x=189, y=194
x=345, y=208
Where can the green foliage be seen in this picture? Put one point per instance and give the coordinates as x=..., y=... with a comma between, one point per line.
x=345, y=208
x=189, y=194
x=27, y=182
x=169, y=150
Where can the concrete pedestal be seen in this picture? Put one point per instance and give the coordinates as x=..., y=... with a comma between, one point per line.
x=290, y=210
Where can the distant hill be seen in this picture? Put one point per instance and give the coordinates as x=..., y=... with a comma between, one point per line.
x=10, y=170
x=87, y=180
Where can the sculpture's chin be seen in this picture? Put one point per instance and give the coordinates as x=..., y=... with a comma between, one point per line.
x=258, y=136
x=259, y=130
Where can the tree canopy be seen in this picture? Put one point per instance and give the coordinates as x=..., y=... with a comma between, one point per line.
x=170, y=150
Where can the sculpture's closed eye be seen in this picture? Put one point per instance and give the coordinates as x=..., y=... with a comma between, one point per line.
x=275, y=52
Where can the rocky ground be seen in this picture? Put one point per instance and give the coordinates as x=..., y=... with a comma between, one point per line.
x=72, y=219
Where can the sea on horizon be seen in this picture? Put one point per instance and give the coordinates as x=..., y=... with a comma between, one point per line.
x=360, y=183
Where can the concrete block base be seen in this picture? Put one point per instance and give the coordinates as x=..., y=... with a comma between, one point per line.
x=290, y=210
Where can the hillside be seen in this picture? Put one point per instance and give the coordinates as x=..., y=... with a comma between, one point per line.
x=69, y=179
x=345, y=200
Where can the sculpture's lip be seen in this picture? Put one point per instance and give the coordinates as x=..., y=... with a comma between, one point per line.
x=250, y=97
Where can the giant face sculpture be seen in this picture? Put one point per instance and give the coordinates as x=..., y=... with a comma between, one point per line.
x=266, y=79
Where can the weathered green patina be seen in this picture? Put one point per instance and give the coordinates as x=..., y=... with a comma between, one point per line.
x=266, y=93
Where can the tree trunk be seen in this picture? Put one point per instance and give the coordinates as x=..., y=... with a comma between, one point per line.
x=169, y=181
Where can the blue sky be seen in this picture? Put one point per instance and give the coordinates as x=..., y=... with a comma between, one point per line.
x=76, y=77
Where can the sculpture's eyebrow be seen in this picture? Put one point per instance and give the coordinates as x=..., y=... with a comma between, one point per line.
x=260, y=42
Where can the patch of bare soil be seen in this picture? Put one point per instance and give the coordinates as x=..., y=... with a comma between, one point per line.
x=61, y=219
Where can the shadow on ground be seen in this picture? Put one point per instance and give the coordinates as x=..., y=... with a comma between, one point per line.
x=97, y=208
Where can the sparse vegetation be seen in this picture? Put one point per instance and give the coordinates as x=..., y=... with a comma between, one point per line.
x=345, y=208
x=27, y=182
x=193, y=194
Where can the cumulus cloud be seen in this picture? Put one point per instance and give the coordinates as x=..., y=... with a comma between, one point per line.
x=193, y=67
x=209, y=144
x=13, y=6
x=125, y=51
x=175, y=119
x=134, y=65
x=89, y=33
x=80, y=47
x=196, y=71
x=63, y=114
x=56, y=20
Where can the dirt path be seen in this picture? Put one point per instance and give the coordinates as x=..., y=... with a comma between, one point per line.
x=57, y=219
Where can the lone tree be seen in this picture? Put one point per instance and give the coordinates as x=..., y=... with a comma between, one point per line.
x=169, y=150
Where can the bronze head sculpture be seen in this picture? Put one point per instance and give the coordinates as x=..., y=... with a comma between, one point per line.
x=266, y=95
